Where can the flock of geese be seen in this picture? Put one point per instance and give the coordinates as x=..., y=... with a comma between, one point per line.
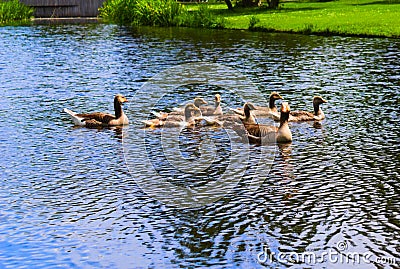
x=197, y=114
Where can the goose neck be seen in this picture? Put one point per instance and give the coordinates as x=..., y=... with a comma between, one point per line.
x=188, y=115
x=272, y=103
x=316, y=108
x=117, y=109
x=284, y=119
x=246, y=111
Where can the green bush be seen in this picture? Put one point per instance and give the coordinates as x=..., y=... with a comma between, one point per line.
x=142, y=12
x=13, y=11
x=253, y=21
x=158, y=13
x=203, y=18
x=118, y=11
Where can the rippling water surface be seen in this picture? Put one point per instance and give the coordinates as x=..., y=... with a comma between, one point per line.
x=68, y=199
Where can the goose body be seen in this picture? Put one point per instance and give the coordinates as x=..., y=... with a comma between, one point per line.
x=99, y=119
x=192, y=114
x=259, y=133
x=318, y=114
x=271, y=111
x=178, y=113
x=213, y=111
x=197, y=102
x=245, y=115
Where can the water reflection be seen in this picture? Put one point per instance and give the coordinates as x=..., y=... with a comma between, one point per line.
x=68, y=199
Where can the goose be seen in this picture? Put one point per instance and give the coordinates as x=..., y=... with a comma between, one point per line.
x=258, y=133
x=198, y=102
x=270, y=111
x=309, y=116
x=229, y=120
x=99, y=119
x=192, y=113
x=246, y=117
x=215, y=110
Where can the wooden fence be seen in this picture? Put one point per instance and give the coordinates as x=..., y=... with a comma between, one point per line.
x=64, y=8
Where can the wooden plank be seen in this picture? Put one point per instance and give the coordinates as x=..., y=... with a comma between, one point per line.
x=49, y=3
x=64, y=8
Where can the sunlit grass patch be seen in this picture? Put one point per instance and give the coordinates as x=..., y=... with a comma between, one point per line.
x=13, y=11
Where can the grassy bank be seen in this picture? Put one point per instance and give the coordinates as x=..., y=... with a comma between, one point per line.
x=343, y=17
x=13, y=12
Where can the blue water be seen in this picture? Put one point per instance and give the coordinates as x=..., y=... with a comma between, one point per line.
x=69, y=199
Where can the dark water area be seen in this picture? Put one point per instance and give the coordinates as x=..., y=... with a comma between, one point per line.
x=69, y=197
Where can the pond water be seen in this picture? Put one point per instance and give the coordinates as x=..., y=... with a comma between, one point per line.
x=71, y=198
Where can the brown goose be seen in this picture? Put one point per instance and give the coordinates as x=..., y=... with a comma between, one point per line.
x=270, y=111
x=179, y=112
x=192, y=113
x=99, y=119
x=245, y=114
x=258, y=133
x=229, y=121
x=308, y=116
x=198, y=102
x=215, y=110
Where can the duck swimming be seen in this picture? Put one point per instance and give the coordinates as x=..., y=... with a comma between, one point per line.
x=191, y=116
x=230, y=120
x=213, y=111
x=309, y=116
x=176, y=112
x=259, y=133
x=99, y=119
x=245, y=114
x=198, y=102
x=270, y=111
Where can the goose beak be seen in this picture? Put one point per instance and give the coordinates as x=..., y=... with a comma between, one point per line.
x=285, y=107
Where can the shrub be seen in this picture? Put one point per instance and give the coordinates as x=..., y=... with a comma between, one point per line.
x=158, y=13
x=118, y=11
x=203, y=17
x=13, y=10
x=142, y=12
x=253, y=21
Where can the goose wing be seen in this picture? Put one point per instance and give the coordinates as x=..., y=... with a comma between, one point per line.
x=92, y=123
x=103, y=118
x=209, y=121
x=260, y=130
x=153, y=123
x=261, y=134
x=301, y=116
x=207, y=110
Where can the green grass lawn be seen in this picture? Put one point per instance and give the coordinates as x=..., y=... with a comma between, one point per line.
x=343, y=17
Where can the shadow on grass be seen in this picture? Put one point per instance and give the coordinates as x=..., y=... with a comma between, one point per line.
x=240, y=11
x=386, y=2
